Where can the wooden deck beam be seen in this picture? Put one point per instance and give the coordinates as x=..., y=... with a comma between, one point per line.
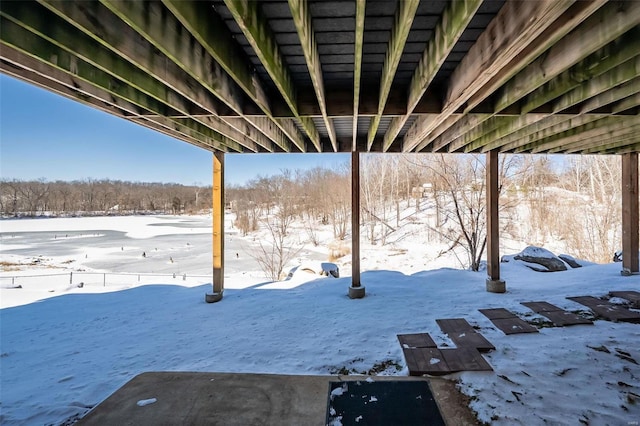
x=212, y=34
x=454, y=21
x=218, y=228
x=496, y=51
x=357, y=66
x=304, y=25
x=401, y=26
x=356, y=291
x=248, y=16
x=494, y=283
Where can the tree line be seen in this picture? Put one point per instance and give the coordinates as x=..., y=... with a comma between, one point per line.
x=91, y=197
x=575, y=200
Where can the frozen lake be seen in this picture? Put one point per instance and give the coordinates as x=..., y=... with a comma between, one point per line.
x=171, y=244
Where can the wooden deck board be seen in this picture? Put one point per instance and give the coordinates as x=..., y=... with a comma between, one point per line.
x=465, y=359
x=514, y=326
x=507, y=321
x=497, y=313
x=556, y=315
x=438, y=362
x=464, y=335
x=539, y=307
x=631, y=296
x=422, y=361
x=607, y=310
x=417, y=340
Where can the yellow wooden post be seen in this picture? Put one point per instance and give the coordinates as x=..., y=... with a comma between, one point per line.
x=218, y=228
x=630, y=215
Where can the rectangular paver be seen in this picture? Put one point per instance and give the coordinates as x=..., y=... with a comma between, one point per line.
x=631, y=296
x=438, y=362
x=607, y=310
x=464, y=335
x=465, y=359
x=425, y=361
x=556, y=315
x=507, y=321
x=417, y=340
x=497, y=313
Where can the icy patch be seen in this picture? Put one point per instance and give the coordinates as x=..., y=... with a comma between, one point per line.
x=434, y=361
x=144, y=402
x=373, y=399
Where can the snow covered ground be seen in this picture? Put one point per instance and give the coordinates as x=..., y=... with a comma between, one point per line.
x=64, y=351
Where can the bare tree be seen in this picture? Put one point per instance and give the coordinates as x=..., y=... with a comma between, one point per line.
x=273, y=254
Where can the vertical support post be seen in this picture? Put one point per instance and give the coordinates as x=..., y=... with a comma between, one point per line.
x=218, y=228
x=356, y=291
x=494, y=283
x=630, y=216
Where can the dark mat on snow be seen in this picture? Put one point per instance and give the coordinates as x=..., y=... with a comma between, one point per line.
x=382, y=403
x=507, y=321
x=556, y=315
x=607, y=310
x=417, y=340
x=631, y=296
x=464, y=335
x=439, y=362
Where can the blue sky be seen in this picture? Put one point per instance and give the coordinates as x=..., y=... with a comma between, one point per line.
x=44, y=135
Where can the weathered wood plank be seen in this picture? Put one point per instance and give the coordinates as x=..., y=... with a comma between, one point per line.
x=497, y=313
x=357, y=68
x=59, y=59
x=124, y=63
x=507, y=321
x=452, y=24
x=304, y=25
x=248, y=15
x=401, y=26
x=355, y=219
x=465, y=359
x=510, y=32
x=463, y=335
x=514, y=326
x=556, y=315
x=607, y=310
x=630, y=295
x=416, y=340
x=493, y=225
x=422, y=361
x=630, y=214
x=600, y=29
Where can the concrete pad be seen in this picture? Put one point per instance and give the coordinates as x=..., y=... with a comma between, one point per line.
x=242, y=399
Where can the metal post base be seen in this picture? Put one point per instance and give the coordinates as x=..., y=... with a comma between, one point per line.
x=356, y=292
x=496, y=286
x=212, y=297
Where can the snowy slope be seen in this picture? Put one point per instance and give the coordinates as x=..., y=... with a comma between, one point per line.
x=63, y=352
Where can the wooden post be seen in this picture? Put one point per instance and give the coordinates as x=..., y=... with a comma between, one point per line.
x=494, y=283
x=630, y=217
x=218, y=228
x=356, y=291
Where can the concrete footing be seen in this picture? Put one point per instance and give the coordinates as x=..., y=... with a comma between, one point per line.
x=212, y=297
x=496, y=286
x=356, y=292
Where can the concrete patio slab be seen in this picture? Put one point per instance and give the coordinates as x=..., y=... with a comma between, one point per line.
x=170, y=398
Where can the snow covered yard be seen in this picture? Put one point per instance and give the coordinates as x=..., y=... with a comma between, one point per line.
x=64, y=352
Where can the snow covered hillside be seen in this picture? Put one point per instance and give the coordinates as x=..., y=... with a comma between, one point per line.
x=64, y=351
